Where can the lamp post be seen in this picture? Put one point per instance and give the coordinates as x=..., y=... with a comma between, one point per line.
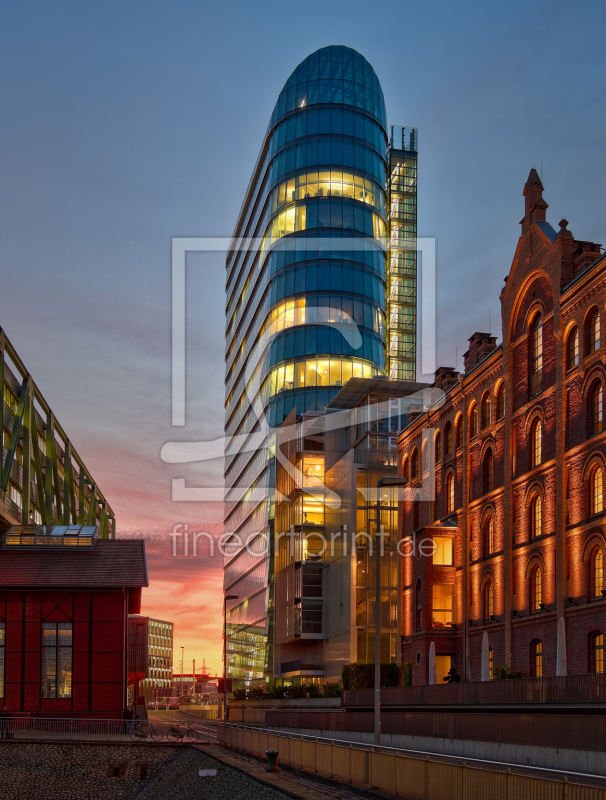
x=225, y=599
x=383, y=482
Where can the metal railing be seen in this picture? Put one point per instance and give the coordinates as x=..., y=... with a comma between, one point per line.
x=63, y=728
x=589, y=688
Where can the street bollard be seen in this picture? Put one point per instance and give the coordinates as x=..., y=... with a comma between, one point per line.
x=272, y=761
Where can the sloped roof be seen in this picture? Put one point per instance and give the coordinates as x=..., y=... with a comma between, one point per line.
x=112, y=563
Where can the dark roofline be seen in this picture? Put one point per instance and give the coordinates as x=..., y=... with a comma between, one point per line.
x=583, y=273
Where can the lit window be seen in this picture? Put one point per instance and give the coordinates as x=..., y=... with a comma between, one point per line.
x=573, y=349
x=442, y=605
x=537, y=344
x=536, y=516
x=473, y=422
x=536, y=659
x=486, y=404
x=489, y=535
x=56, y=659
x=414, y=464
x=459, y=433
x=491, y=662
x=597, y=491
x=15, y=496
x=438, y=447
x=597, y=570
x=501, y=402
x=448, y=432
x=594, y=332
x=442, y=555
x=536, y=589
x=488, y=601
x=535, y=443
x=597, y=409
x=597, y=646
x=449, y=493
x=426, y=457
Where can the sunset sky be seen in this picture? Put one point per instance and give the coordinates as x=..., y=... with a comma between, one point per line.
x=124, y=125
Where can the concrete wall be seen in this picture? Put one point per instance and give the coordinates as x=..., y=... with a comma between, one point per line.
x=252, y=712
x=583, y=761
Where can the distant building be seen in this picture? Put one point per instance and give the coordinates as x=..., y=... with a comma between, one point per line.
x=150, y=657
x=43, y=480
x=64, y=600
x=183, y=684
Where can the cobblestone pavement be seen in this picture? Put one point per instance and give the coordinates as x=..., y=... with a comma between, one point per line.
x=239, y=777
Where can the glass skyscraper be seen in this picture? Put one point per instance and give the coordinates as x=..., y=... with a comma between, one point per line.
x=321, y=252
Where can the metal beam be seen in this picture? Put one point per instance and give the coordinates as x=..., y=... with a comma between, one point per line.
x=38, y=473
x=1, y=401
x=14, y=440
x=29, y=425
x=48, y=476
x=92, y=506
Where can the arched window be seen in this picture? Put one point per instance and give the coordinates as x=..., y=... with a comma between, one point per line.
x=491, y=662
x=448, y=438
x=536, y=589
x=473, y=422
x=535, y=443
x=459, y=433
x=594, y=332
x=438, y=447
x=537, y=345
x=597, y=572
x=573, y=349
x=488, y=601
x=486, y=403
x=414, y=464
x=488, y=472
x=489, y=535
x=501, y=402
x=596, y=652
x=536, y=659
x=425, y=456
x=416, y=514
x=597, y=491
x=596, y=409
x=536, y=516
x=449, y=493
x=406, y=469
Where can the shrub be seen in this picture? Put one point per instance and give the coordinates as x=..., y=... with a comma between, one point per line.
x=407, y=673
x=333, y=689
x=362, y=676
x=297, y=692
x=506, y=673
x=239, y=694
x=313, y=690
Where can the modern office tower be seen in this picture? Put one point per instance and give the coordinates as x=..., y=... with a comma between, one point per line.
x=43, y=480
x=307, y=295
x=150, y=657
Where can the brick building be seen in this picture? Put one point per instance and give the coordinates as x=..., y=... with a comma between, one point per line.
x=520, y=447
x=65, y=596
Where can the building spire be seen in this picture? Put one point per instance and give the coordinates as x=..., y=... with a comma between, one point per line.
x=535, y=205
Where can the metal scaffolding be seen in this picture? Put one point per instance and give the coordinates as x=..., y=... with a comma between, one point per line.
x=402, y=254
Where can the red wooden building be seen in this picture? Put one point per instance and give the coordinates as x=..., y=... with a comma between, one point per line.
x=65, y=596
x=520, y=455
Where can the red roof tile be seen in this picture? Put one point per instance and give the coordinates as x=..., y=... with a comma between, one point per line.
x=113, y=562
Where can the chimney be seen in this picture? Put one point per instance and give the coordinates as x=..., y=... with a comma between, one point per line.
x=480, y=344
x=566, y=244
x=534, y=204
x=445, y=378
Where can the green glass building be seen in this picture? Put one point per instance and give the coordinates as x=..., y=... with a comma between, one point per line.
x=321, y=288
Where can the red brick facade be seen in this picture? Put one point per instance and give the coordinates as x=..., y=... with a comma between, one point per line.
x=528, y=538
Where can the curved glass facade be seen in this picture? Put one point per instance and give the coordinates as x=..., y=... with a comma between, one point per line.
x=306, y=308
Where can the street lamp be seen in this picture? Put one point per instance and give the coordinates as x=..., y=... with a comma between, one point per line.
x=225, y=599
x=383, y=482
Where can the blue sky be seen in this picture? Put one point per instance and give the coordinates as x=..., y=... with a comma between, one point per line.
x=124, y=125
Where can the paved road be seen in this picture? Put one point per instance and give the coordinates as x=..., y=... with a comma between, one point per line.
x=164, y=719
